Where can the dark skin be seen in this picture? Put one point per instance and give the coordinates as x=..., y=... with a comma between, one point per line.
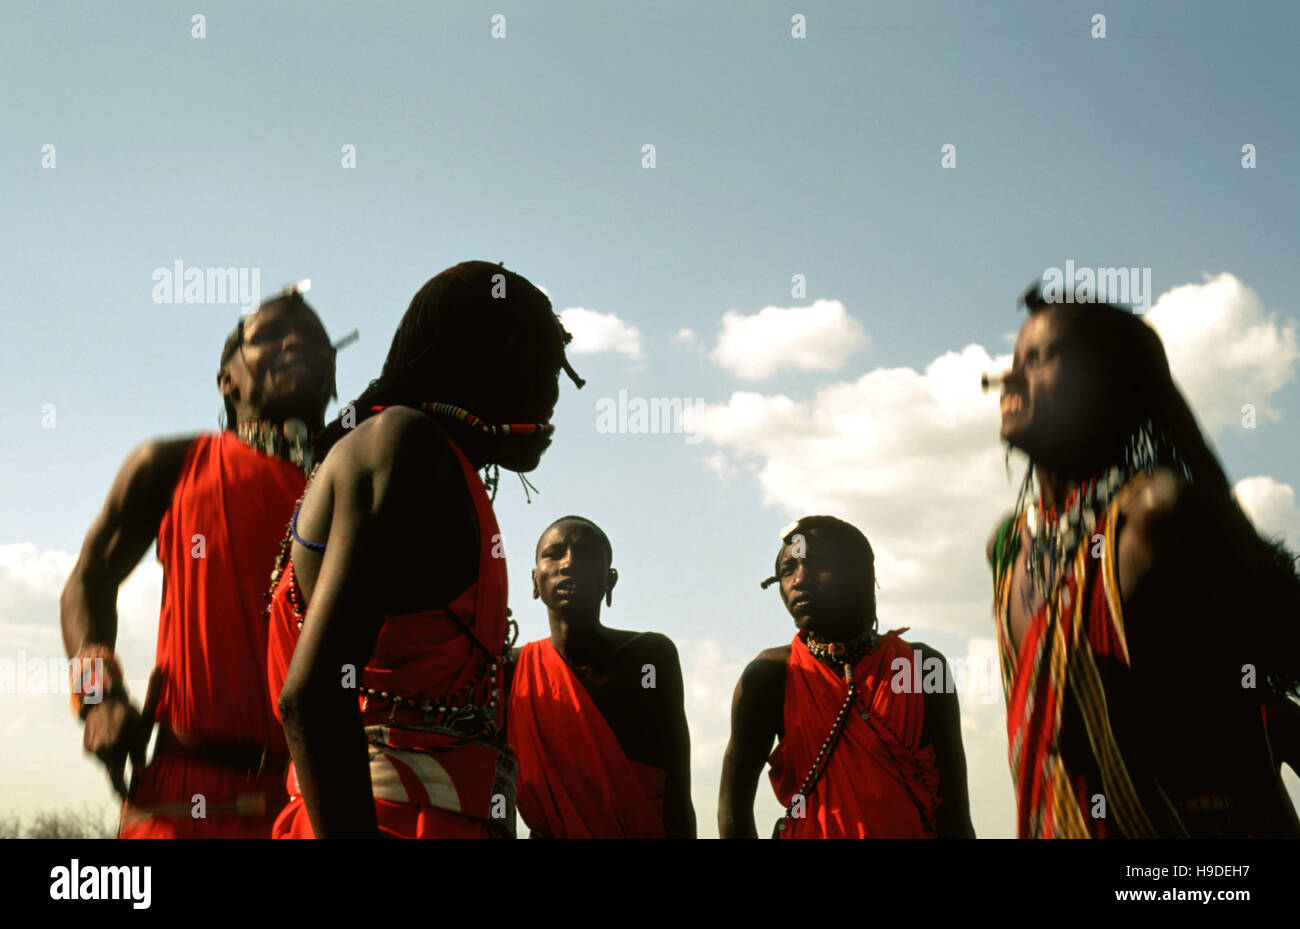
x=824, y=593
x=571, y=577
x=282, y=371
x=390, y=501
x=1058, y=406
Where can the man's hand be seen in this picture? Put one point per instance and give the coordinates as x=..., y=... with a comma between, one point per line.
x=115, y=730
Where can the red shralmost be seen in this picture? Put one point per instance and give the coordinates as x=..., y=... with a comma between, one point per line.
x=575, y=782
x=435, y=775
x=217, y=543
x=880, y=782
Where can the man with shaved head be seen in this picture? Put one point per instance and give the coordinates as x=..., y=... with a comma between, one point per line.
x=868, y=729
x=596, y=715
x=217, y=504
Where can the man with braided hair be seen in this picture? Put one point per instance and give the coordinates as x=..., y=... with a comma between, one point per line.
x=868, y=726
x=388, y=610
x=596, y=714
x=217, y=504
x=1149, y=638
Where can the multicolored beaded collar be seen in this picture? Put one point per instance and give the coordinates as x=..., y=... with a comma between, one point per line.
x=469, y=419
x=290, y=441
x=1054, y=537
x=838, y=654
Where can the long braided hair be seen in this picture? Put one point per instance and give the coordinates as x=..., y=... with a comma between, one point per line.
x=474, y=336
x=1153, y=427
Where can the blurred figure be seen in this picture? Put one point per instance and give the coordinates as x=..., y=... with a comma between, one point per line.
x=1144, y=626
x=217, y=504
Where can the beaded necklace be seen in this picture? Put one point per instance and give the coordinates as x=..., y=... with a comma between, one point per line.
x=288, y=441
x=834, y=654
x=1054, y=536
x=469, y=419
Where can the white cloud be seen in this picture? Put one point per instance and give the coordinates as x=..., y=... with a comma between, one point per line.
x=601, y=332
x=1271, y=507
x=913, y=459
x=820, y=337
x=709, y=677
x=910, y=457
x=48, y=769
x=685, y=335
x=31, y=580
x=719, y=465
x=1225, y=349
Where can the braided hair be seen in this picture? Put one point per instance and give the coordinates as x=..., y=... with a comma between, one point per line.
x=472, y=336
x=846, y=537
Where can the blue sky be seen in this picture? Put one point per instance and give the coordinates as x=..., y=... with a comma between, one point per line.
x=775, y=156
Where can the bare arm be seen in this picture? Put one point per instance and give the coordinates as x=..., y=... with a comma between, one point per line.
x=679, y=812
x=118, y=538
x=755, y=708
x=322, y=720
x=943, y=728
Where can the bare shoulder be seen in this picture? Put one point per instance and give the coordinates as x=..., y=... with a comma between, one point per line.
x=388, y=438
x=1160, y=496
x=161, y=453
x=154, y=466
x=1158, y=508
x=644, y=644
x=761, y=688
x=770, y=664
x=926, y=652
x=398, y=445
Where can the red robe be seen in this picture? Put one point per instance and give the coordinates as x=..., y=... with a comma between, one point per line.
x=880, y=782
x=428, y=781
x=1063, y=750
x=212, y=640
x=575, y=782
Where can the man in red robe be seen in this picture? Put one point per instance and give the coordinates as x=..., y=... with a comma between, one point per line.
x=1127, y=571
x=596, y=715
x=217, y=504
x=868, y=725
x=389, y=625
